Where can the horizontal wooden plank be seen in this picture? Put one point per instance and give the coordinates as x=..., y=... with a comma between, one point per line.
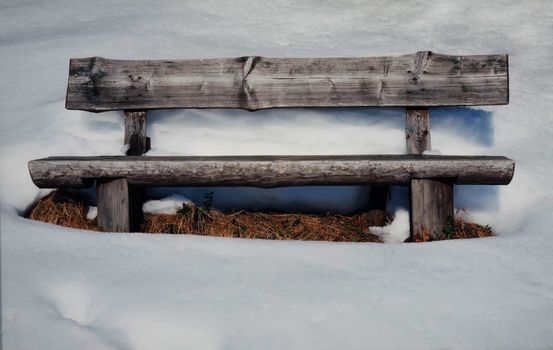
x=421, y=79
x=269, y=171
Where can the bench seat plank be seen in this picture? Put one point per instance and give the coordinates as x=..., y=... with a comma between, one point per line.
x=269, y=171
x=421, y=79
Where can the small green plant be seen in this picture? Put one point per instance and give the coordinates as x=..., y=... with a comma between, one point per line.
x=239, y=228
x=360, y=236
x=171, y=228
x=208, y=200
x=449, y=228
x=186, y=209
x=348, y=225
x=199, y=215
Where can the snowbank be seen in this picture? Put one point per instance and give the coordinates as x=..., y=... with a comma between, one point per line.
x=62, y=287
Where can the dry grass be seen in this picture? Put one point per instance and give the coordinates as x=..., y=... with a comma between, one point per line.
x=64, y=209
x=306, y=227
x=462, y=229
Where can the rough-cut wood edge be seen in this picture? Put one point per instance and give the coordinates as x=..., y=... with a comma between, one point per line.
x=270, y=171
x=508, y=81
x=248, y=83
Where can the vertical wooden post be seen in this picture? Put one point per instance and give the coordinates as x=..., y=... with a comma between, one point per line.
x=135, y=133
x=431, y=206
x=378, y=198
x=431, y=199
x=112, y=196
x=119, y=204
x=417, y=130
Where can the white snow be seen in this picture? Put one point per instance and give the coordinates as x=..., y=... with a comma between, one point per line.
x=62, y=287
x=397, y=231
x=92, y=212
x=167, y=205
x=435, y=152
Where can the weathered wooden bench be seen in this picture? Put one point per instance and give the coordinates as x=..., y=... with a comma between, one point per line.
x=416, y=81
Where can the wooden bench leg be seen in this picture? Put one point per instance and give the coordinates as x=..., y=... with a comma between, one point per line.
x=431, y=200
x=119, y=205
x=431, y=207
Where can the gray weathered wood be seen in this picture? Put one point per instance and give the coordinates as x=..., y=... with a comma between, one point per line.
x=431, y=199
x=420, y=79
x=119, y=205
x=431, y=207
x=270, y=171
x=138, y=144
x=417, y=130
x=135, y=133
x=113, y=203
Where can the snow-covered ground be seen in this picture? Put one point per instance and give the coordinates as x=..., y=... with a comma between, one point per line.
x=63, y=288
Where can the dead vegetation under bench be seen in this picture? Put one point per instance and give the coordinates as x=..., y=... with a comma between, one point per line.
x=66, y=209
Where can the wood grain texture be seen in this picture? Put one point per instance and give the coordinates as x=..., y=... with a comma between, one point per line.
x=270, y=171
x=113, y=205
x=421, y=79
x=417, y=130
x=138, y=143
x=119, y=205
x=135, y=133
x=431, y=207
x=431, y=199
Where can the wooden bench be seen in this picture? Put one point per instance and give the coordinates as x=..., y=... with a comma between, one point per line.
x=416, y=81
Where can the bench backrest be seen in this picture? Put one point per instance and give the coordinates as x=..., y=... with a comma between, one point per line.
x=421, y=79
x=416, y=81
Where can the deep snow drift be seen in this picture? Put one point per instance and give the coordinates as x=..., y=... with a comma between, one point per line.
x=62, y=287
